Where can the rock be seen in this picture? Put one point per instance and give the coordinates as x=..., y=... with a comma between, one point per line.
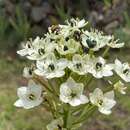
x=27, y=7
x=95, y=18
x=37, y=14
x=47, y=7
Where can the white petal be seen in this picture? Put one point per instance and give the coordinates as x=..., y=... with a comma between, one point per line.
x=97, y=74
x=107, y=73
x=75, y=102
x=18, y=103
x=39, y=72
x=65, y=90
x=21, y=92
x=57, y=74
x=118, y=64
x=100, y=59
x=108, y=103
x=62, y=63
x=35, y=89
x=104, y=111
x=81, y=23
x=84, y=99
x=64, y=98
x=96, y=96
x=29, y=105
x=109, y=95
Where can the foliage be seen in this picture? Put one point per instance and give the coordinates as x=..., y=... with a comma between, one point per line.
x=21, y=24
x=124, y=31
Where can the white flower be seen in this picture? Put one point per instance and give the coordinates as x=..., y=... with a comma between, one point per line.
x=120, y=87
x=67, y=47
x=27, y=49
x=56, y=124
x=115, y=43
x=37, y=49
x=72, y=26
x=29, y=96
x=78, y=64
x=123, y=70
x=94, y=40
x=104, y=102
x=77, y=23
x=50, y=67
x=28, y=72
x=99, y=68
x=72, y=93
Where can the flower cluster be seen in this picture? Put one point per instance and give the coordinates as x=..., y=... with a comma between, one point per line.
x=67, y=59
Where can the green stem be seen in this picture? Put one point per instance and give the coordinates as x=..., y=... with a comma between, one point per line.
x=85, y=114
x=51, y=108
x=89, y=81
x=52, y=87
x=106, y=51
x=80, y=78
x=67, y=117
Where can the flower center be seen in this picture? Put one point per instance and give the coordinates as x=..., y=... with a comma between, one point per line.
x=51, y=66
x=30, y=71
x=91, y=43
x=59, y=127
x=126, y=71
x=41, y=51
x=67, y=38
x=98, y=65
x=78, y=65
x=29, y=45
x=100, y=102
x=77, y=35
x=73, y=95
x=65, y=48
x=32, y=97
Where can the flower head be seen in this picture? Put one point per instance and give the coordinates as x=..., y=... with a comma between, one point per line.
x=120, y=87
x=73, y=26
x=94, y=40
x=67, y=47
x=28, y=72
x=50, y=67
x=104, y=102
x=100, y=69
x=123, y=70
x=78, y=64
x=72, y=93
x=115, y=43
x=76, y=23
x=29, y=96
x=37, y=49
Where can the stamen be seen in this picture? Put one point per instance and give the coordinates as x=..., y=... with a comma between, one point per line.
x=65, y=48
x=32, y=97
x=51, y=66
x=78, y=65
x=41, y=51
x=98, y=65
x=126, y=71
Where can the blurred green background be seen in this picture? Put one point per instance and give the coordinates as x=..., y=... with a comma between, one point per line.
x=23, y=19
